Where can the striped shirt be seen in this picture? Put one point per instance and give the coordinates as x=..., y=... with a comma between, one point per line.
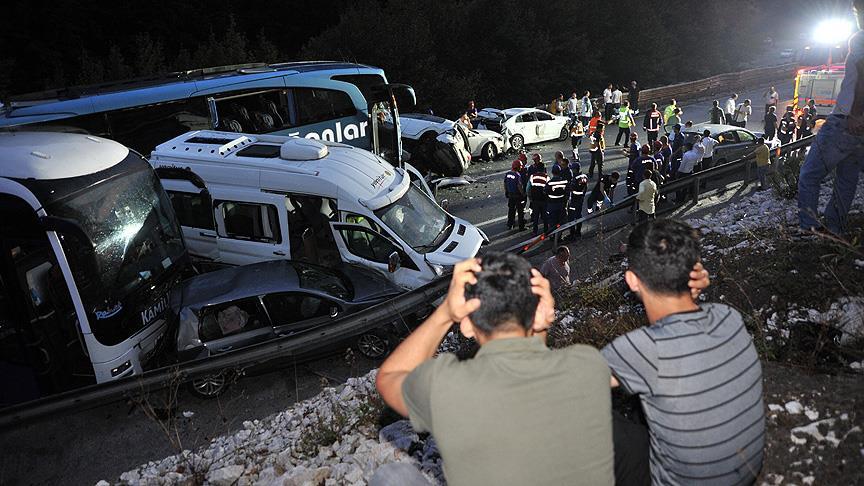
x=700, y=382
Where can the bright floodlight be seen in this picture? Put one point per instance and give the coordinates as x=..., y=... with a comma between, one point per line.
x=833, y=31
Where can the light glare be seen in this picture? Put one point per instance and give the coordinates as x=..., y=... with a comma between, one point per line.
x=832, y=31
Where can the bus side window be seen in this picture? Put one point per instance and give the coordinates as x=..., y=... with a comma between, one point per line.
x=319, y=105
x=193, y=210
x=145, y=127
x=257, y=112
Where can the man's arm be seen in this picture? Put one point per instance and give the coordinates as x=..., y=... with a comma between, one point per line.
x=423, y=342
x=856, y=116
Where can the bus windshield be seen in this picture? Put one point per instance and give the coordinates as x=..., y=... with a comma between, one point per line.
x=136, y=240
x=415, y=218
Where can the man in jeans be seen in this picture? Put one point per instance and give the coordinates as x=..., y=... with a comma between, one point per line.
x=839, y=146
x=695, y=369
x=517, y=413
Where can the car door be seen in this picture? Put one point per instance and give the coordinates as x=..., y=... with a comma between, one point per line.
x=746, y=143
x=547, y=129
x=234, y=325
x=727, y=147
x=251, y=226
x=364, y=246
x=295, y=312
x=531, y=131
x=194, y=209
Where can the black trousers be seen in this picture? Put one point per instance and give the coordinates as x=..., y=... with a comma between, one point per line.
x=625, y=132
x=652, y=137
x=631, y=452
x=643, y=216
x=596, y=159
x=515, y=205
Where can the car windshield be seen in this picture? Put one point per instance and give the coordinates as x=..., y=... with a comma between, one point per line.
x=135, y=240
x=314, y=278
x=421, y=223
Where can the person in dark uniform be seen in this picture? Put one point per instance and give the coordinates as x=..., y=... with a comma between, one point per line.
x=556, y=198
x=564, y=165
x=786, y=131
x=598, y=146
x=515, y=193
x=538, y=179
x=577, y=188
x=603, y=191
x=805, y=124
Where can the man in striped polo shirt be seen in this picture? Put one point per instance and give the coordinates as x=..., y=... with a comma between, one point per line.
x=695, y=368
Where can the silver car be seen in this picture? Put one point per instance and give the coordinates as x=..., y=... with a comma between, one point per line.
x=733, y=142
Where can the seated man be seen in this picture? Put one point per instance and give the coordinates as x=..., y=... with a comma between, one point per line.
x=695, y=368
x=517, y=413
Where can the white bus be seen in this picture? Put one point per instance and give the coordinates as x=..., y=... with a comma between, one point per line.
x=89, y=250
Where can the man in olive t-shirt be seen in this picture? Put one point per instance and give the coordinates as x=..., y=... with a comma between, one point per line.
x=517, y=413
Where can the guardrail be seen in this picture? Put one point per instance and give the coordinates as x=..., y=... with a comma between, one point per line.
x=282, y=348
x=693, y=182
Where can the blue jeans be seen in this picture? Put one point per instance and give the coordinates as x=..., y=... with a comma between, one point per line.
x=835, y=150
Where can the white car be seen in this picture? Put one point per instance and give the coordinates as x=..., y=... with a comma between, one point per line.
x=483, y=144
x=521, y=126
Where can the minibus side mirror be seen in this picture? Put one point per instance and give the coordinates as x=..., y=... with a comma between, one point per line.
x=394, y=262
x=445, y=203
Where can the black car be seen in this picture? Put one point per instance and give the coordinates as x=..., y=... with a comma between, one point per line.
x=240, y=306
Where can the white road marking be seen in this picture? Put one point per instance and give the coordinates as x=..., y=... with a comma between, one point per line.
x=491, y=221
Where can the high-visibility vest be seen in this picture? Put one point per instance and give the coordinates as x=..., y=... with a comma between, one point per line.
x=624, y=117
x=669, y=111
x=538, y=185
x=556, y=189
x=578, y=186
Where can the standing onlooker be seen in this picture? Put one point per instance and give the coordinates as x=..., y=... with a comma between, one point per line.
x=471, y=111
x=805, y=124
x=694, y=367
x=577, y=131
x=662, y=155
x=632, y=152
x=647, y=197
x=633, y=97
x=598, y=146
x=708, y=142
x=839, y=146
x=594, y=122
x=607, y=104
x=677, y=146
x=537, y=185
x=786, y=131
x=652, y=122
x=772, y=98
x=556, y=197
x=573, y=107
x=514, y=191
x=564, y=165
x=625, y=121
x=716, y=113
x=556, y=269
x=617, y=98
x=673, y=119
x=669, y=111
x=811, y=107
x=586, y=109
x=731, y=106
x=742, y=114
x=689, y=160
x=763, y=161
x=578, y=188
x=771, y=123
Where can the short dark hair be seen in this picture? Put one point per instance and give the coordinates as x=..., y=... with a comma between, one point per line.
x=615, y=175
x=648, y=174
x=562, y=250
x=662, y=253
x=504, y=289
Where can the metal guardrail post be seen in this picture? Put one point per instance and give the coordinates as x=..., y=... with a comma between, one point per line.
x=746, y=172
x=695, y=189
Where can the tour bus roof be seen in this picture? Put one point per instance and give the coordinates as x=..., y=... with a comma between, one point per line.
x=48, y=155
x=74, y=92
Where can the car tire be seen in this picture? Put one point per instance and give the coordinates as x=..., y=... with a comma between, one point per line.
x=209, y=386
x=489, y=152
x=564, y=134
x=517, y=142
x=373, y=345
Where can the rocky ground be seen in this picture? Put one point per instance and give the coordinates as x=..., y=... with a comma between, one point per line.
x=802, y=297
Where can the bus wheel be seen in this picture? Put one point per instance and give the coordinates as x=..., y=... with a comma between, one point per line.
x=209, y=386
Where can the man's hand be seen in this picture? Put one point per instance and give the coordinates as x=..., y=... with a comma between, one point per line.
x=456, y=306
x=544, y=316
x=699, y=280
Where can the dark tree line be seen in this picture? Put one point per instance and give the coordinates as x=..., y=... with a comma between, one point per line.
x=499, y=52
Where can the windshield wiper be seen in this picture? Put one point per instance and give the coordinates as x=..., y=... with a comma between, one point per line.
x=435, y=242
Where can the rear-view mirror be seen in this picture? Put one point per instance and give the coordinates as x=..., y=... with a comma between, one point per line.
x=394, y=262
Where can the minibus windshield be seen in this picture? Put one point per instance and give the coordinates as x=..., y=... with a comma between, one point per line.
x=417, y=220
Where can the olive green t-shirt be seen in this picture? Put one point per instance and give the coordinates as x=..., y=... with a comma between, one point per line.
x=517, y=413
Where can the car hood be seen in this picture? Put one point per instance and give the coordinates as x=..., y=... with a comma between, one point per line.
x=487, y=133
x=369, y=285
x=461, y=247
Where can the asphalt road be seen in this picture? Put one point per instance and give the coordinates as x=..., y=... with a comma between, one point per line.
x=483, y=203
x=101, y=443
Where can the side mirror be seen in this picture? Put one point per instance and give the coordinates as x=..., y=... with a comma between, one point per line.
x=394, y=262
x=334, y=311
x=445, y=203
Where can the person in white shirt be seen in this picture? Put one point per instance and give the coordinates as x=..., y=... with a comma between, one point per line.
x=586, y=108
x=573, y=107
x=607, y=103
x=647, y=197
x=839, y=146
x=772, y=98
x=556, y=269
x=742, y=113
x=708, y=143
x=688, y=163
x=729, y=108
x=617, y=97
